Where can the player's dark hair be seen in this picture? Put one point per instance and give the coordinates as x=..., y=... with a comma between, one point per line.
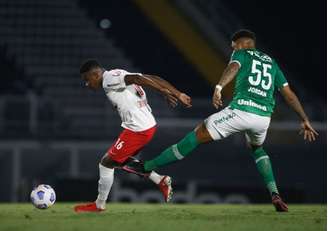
x=243, y=33
x=89, y=65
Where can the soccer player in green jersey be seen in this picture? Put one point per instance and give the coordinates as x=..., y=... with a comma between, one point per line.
x=257, y=77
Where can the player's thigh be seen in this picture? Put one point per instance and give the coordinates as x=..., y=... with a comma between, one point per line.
x=224, y=123
x=129, y=143
x=257, y=131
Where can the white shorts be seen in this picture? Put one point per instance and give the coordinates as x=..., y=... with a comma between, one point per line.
x=229, y=121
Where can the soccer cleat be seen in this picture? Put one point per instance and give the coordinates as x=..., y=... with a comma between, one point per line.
x=279, y=204
x=136, y=167
x=89, y=207
x=166, y=188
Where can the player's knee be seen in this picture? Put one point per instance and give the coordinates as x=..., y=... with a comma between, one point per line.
x=203, y=136
x=108, y=162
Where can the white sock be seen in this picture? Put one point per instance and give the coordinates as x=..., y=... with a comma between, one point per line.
x=106, y=178
x=154, y=177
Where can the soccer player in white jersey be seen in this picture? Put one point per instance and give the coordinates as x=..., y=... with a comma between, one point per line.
x=257, y=76
x=125, y=92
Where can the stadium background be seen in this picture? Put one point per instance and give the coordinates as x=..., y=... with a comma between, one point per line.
x=54, y=131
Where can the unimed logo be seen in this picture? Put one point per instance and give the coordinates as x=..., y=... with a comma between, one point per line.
x=191, y=194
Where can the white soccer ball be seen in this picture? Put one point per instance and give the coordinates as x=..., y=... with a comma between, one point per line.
x=43, y=196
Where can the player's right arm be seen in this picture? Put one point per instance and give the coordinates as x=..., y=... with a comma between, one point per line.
x=168, y=90
x=228, y=75
x=292, y=100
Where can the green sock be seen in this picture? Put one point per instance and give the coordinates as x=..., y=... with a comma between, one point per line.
x=263, y=165
x=173, y=153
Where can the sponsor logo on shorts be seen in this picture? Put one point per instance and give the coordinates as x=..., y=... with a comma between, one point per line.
x=251, y=104
x=225, y=118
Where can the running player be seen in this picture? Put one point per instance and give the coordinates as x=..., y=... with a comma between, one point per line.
x=257, y=76
x=125, y=92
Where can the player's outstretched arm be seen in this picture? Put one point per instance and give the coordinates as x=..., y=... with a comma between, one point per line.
x=182, y=97
x=228, y=75
x=168, y=90
x=292, y=100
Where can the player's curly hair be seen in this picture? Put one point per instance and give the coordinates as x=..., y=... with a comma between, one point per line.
x=89, y=65
x=243, y=33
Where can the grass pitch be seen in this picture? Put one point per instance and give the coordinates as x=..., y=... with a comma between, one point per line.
x=158, y=217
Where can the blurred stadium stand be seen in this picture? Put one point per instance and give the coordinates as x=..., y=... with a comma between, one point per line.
x=49, y=40
x=54, y=130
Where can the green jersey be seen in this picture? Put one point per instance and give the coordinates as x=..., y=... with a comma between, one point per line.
x=258, y=77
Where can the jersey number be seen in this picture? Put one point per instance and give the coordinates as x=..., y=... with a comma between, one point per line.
x=119, y=144
x=262, y=77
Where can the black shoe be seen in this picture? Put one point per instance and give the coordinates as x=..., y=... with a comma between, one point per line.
x=135, y=166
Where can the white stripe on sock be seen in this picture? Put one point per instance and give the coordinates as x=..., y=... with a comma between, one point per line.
x=261, y=158
x=176, y=152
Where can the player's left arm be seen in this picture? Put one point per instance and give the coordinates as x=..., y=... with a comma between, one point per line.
x=228, y=75
x=292, y=100
x=168, y=90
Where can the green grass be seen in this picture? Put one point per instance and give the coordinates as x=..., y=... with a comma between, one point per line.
x=158, y=217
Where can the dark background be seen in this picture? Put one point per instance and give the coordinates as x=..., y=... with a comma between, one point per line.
x=294, y=33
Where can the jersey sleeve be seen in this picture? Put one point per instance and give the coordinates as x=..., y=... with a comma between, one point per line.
x=238, y=57
x=114, y=79
x=280, y=79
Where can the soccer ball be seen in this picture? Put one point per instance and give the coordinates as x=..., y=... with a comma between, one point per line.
x=43, y=196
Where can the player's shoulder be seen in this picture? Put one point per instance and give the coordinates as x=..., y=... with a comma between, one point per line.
x=237, y=56
x=238, y=52
x=116, y=72
x=113, y=77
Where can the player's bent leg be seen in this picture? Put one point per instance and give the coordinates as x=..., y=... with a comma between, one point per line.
x=202, y=133
x=108, y=162
x=128, y=145
x=106, y=178
x=179, y=150
x=164, y=183
x=264, y=167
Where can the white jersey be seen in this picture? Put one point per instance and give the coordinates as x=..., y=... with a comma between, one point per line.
x=129, y=100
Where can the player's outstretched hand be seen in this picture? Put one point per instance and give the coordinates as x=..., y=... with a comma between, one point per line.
x=170, y=98
x=308, y=132
x=217, y=99
x=185, y=100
